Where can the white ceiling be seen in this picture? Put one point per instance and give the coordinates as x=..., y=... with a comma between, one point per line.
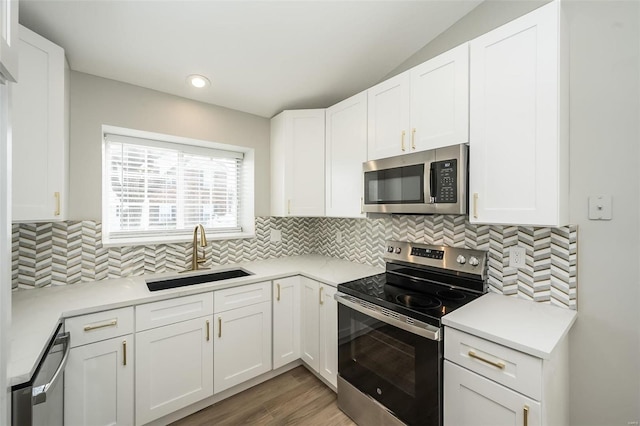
x=261, y=56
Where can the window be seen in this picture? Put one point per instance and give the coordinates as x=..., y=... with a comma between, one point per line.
x=155, y=190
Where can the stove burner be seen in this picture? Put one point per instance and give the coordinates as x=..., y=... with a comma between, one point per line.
x=413, y=300
x=451, y=294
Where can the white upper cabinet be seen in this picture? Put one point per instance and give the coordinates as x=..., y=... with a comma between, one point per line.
x=346, y=150
x=440, y=100
x=519, y=166
x=9, y=41
x=40, y=104
x=424, y=108
x=297, y=163
x=388, y=117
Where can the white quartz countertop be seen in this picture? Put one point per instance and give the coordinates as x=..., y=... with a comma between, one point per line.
x=36, y=313
x=529, y=327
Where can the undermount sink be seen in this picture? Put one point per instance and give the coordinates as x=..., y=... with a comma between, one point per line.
x=163, y=284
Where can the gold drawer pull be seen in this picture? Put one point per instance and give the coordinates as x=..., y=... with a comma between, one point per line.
x=500, y=365
x=278, y=297
x=124, y=352
x=111, y=323
x=208, y=337
x=321, y=298
x=219, y=327
x=525, y=410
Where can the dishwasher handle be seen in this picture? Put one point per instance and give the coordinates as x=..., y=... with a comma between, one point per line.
x=39, y=394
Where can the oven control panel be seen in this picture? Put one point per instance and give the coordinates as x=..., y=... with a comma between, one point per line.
x=443, y=257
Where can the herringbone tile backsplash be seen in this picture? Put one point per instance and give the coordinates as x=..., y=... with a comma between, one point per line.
x=69, y=252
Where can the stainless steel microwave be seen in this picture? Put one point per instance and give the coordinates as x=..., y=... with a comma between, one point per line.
x=426, y=182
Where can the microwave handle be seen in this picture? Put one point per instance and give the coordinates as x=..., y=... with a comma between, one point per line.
x=433, y=187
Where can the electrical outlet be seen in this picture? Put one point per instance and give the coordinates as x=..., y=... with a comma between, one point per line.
x=338, y=236
x=517, y=257
x=276, y=236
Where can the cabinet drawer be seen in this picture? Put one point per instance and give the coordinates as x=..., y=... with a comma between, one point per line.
x=99, y=326
x=514, y=369
x=171, y=311
x=237, y=297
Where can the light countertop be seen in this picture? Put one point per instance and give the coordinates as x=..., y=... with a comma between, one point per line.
x=529, y=327
x=35, y=313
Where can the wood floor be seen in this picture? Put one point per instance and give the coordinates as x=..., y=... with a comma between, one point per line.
x=296, y=397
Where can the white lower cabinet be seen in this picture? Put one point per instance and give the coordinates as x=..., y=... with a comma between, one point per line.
x=98, y=383
x=488, y=384
x=471, y=399
x=319, y=339
x=174, y=362
x=98, y=377
x=242, y=348
x=286, y=321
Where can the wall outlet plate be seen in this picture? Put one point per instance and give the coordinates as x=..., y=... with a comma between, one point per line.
x=517, y=257
x=276, y=236
x=600, y=207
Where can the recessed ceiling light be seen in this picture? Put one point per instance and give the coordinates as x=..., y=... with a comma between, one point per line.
x=198, y=81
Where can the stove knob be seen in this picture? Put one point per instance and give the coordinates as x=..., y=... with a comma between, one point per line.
x=398, y=250
x=390, y=249
x=461, y=259
x=473, y=261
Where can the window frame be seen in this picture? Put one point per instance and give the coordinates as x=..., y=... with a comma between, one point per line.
x=246, y=216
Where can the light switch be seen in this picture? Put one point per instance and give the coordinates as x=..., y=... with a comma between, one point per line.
x=600, y=207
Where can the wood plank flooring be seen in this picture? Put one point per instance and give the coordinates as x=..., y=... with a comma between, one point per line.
x=296, y=397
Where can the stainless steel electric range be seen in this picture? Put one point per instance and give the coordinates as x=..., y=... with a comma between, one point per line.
x=390, y=338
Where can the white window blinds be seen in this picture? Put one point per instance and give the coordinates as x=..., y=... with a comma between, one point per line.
x=158, y=188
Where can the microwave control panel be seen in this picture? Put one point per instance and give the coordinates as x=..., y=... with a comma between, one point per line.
x=446, y=181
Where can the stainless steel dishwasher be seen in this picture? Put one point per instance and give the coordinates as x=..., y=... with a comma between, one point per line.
x=40, y=401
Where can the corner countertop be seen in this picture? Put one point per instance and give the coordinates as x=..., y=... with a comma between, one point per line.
x=529, y=327
x=36, y=313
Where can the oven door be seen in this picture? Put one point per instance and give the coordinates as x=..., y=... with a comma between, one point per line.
x=384, y=358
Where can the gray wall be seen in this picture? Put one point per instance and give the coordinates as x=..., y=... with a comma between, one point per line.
x=604, y=139
x=96, y=101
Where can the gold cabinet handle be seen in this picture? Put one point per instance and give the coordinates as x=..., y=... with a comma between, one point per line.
x=361, y=205
x=499, y=365
x=124, y=352
x=402, y=140
x=219, y=327
x=413, y=138
x=288, y=206
x=525, y=410
x=208, y=337
x=111, y=323
x=278, y=296
x=321, y=298
x=475, y=205
x=57, y=197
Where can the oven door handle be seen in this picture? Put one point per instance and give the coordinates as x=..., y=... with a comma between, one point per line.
x=39, y=394
x=416, y=327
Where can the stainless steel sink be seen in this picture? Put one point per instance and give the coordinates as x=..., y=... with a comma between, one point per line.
x=163, y=284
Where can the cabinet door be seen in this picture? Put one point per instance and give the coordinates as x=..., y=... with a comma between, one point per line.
x=174, y=367
x=98, y=383
x=519, y=160
x=9, y=41
x=346, y=150
x=440, y=100
x=473, y=400
x=388, y=117
x=242, y=347
x=40, y=126
x=286, y=321
x=297, y=163
x=309, y=340
x=328, y=334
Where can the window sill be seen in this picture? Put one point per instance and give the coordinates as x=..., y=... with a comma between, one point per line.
x=174, y=239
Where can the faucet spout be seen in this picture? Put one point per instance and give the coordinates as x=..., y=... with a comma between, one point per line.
x=195, y=259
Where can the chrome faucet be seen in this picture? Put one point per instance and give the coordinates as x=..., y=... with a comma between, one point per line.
x=195, y=260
